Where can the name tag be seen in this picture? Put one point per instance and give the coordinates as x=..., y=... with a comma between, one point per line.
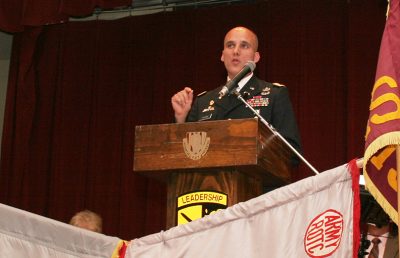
x=207, y=117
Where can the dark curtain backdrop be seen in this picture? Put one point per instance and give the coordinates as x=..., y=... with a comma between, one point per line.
x=77, y=90
x=17, y=15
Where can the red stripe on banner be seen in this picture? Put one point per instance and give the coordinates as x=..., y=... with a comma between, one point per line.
x=355, y=177
x=122, y=250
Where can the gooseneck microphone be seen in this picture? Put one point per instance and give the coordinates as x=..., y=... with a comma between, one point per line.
x=230, y=85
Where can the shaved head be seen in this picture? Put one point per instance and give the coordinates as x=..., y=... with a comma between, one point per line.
x=240, y=46
x=251, y=35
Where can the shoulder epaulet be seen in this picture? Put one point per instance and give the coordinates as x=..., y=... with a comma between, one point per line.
x=201, y=93
x=278, y=84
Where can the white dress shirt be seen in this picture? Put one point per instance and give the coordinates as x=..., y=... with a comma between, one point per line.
x=242, y=81
x=381, y=245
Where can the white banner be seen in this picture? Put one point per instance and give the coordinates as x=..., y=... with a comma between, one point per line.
x=24, y=235
x=310, y=218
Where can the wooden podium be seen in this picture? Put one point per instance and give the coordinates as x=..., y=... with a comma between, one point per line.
x=237, y=157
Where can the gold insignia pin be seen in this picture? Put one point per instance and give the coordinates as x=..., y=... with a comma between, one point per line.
x=266, y=91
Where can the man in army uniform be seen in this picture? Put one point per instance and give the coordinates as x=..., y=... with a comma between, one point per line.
x=271, y=101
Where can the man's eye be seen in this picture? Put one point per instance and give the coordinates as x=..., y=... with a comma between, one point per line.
x=230, y=46
x=245, y=46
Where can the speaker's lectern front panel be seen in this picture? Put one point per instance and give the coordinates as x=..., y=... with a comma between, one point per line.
x=231, y=157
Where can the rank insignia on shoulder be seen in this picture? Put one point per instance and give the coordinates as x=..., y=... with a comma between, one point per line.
x=278, y=84
x=201, y=93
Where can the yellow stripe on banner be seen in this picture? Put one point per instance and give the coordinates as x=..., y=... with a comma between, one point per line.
x=117, y=249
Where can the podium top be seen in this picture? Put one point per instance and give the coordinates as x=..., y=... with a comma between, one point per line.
x=245, y=144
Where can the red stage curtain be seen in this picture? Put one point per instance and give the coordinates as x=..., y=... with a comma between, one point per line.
x=77, y=90
x=16, y=15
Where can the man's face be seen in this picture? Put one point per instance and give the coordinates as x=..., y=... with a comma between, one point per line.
x=240, y=46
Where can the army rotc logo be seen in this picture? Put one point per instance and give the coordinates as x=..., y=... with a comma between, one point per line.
x=195, y=205
x=196, y=144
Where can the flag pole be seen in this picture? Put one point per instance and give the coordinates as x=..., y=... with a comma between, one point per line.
x=398, y=189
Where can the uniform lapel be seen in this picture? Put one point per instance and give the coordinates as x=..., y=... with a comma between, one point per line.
x=251, y=88
x=391, y=248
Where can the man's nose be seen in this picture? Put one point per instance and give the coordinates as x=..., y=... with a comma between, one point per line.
x=236, y=50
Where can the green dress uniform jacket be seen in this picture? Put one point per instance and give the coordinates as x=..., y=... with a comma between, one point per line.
x=271, y=101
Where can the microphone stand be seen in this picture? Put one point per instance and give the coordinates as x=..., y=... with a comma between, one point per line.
x=271, y=128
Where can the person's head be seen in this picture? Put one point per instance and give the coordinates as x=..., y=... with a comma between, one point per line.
x=380, y=229
x=88, y=220
x=376, y=230
x=240, y=46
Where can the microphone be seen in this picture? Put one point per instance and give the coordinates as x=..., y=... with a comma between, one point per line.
x=230, y=85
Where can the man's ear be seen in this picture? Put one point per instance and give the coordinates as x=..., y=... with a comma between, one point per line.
x=222, y=56
x=256, y=57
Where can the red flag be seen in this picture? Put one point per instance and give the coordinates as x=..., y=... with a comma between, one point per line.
x=383, y=129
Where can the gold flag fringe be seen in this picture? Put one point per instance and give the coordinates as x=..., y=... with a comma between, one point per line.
x=385, y=140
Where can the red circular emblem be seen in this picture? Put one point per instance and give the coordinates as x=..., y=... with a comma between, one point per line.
x=323, y=234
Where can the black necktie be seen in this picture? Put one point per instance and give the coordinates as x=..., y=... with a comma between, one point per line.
x=374, y=253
